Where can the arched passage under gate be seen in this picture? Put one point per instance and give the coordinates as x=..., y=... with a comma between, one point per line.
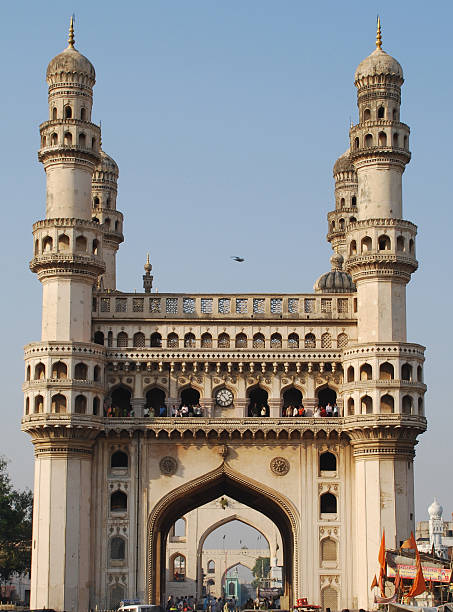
x=200, y=491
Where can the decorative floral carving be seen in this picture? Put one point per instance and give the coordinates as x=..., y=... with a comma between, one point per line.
x=279, y=466
x=168, y=465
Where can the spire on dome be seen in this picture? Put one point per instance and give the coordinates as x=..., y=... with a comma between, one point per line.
x=378, y=34
x=71, y=39
x=147, y=278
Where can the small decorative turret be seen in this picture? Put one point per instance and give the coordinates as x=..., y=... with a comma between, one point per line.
x=147, y=277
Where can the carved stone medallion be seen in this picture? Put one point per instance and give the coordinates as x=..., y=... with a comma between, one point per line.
x=168, y=465
x=279, y=466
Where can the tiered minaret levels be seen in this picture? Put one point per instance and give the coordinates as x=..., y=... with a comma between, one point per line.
x=64, y=372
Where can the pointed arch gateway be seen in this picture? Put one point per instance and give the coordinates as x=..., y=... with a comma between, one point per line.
x=200, y=491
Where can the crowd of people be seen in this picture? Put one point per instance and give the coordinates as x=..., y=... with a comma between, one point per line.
x=329, y=410
x=218, y=604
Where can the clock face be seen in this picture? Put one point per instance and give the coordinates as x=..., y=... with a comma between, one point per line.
x=224, y=397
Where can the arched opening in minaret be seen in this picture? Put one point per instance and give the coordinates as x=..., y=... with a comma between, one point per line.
x=67, y=112
x=40, y=371
x=80, y=404
x=96, y=202
x=95, y=246
x=59, y=370
x=81, y=244
x=384, y=243
x=353, y=248
x=395, y=115
x=366, y=372
x=387, y=404
x=382, y=139
x=121, y=402
x=54, y=113
x=396, y=139
x=406, y=372
x=354, y=201
x=369, y=140
x=47, y=244
x=356, y=143
x=68, y=139
x=406, y=405
x=366, y=404
x=366, y=244
x=350, y=374
x=342, y=203
x=367, y=114
x=420, y=406
x=190, y=397
x=58, y=404
x=258, y=402
x=381, y=112
x=400, y=243
x=83, y=113
x=411, y=246
x=350, y=406
x=96, y=406
x=325, y=396
x=54, y=139
x=82, y=140
x=386, y=371
x=419, y=373
x=155, y=402
x=27, y=405
x=39, y=404
x=206, y=340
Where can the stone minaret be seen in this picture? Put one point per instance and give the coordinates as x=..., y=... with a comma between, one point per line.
x=64, y=371
x=345, y=203
x=104, y=192
x=380, y=256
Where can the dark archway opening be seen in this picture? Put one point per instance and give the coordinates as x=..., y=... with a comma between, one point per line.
x=121, y=402
x=292, y=398
x=155, y=403
x=258, y=405
x=188, y=497
x=326, y=396
x=190, y=397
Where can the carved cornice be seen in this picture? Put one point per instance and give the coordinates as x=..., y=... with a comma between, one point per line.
x=64, y=349
x=70, y=222
x=58, y=264
x=385, y=349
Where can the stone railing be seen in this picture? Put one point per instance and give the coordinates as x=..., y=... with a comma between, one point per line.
x=215, y=306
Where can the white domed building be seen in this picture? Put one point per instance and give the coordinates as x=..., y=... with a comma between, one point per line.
x=435, y=533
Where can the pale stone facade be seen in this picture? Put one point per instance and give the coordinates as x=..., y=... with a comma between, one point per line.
x=109, y=484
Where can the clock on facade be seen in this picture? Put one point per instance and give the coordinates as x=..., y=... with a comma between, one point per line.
x=224, y=397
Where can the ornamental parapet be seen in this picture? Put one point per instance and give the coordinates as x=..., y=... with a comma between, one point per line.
x=383, y=222
x=64, y=384
x=217, y=307
x=354, y=429
x=60, y=263
x=385, y=384
x=385, y=349
x=381, y=262
x=69, y=222
x=62, y=349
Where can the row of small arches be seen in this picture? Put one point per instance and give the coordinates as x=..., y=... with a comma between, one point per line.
x=387, y=405
x=64, y=244
x=380, y=114
x=341, y=223
x=384, y=243
x=381, y=141
x=58, y=405
x=59, y=370
x=353, y=202
x=386, y=372
x=223, y=340
x=68, y=140
x=68, y=113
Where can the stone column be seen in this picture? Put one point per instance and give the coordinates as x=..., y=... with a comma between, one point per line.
x=60, y=575
x=274, y=408
x=384, y=498
x=138, y=405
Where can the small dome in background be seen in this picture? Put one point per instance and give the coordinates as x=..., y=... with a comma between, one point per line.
x=435, y=510
x=107, y=163
x=337, y=280
x=343, y=164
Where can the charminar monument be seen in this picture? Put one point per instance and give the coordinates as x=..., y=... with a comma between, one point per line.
x=106, y=385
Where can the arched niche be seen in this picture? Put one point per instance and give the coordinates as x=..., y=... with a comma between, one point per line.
x=202, y=490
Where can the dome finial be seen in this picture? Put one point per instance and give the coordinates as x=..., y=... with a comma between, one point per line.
x=378, y=34
x=71, y=38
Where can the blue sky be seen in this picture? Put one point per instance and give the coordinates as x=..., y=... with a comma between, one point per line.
x=225, y=119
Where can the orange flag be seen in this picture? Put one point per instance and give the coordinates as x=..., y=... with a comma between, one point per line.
x=419, y=585
x=374, y=583
x=381, y=556
x=382, y=581
x=410, y=542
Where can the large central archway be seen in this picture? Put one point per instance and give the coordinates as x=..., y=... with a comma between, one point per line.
x=200, y=491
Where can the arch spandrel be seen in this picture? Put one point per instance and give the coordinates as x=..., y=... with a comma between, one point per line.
x=206, y=488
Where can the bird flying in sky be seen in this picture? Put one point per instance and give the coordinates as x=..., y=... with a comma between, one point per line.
x=236, y=258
